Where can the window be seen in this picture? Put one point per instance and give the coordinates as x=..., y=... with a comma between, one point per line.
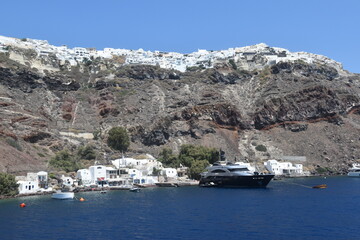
x=238, y=169
x=218, y=171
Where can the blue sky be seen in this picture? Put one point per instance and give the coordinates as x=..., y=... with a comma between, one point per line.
x=327, y=27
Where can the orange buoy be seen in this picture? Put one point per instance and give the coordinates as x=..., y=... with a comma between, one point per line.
x=82, y=199
x=22, y=205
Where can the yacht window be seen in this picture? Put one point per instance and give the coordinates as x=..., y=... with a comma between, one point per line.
x=218, y=171
x=238, y=169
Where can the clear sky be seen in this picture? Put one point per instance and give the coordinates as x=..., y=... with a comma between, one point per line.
x=326, y=27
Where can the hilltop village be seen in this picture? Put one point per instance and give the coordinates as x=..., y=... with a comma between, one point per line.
x=247, y=58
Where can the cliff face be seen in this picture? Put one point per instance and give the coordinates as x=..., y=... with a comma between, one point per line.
x=292, y=108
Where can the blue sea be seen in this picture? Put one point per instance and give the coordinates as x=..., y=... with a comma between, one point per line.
x=286, y=209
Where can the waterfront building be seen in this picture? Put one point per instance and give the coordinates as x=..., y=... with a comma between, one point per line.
x=42, y=178
x=144, y=163
x=33, y=182
x=284, y=168
x=97, y=173
x=67, y=181
x=28, y=187
x=169, y=172
x=84, y=177
x=138, y=177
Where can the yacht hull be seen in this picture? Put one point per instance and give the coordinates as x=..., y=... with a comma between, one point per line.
x=236, y=181
x=354, y=174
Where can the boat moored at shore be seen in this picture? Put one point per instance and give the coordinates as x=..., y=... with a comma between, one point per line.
x=63, y=195
x=233, y=175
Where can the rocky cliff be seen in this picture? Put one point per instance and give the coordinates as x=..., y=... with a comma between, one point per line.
x=293, y=108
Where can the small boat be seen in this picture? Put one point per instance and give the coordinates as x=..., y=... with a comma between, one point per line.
x=354, y=171
x=103, y=191
x=320, y=186
x=62, y=195
x=134, y=189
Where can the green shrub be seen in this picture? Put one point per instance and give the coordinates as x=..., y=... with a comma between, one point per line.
x=195, y=68
x=86, y=152
x=97, y=134
x=261, y=148
x=8, y=185
x=64, y=160
x=52, y=175
x=15, y=144
x=233, y=64
x=322, y=170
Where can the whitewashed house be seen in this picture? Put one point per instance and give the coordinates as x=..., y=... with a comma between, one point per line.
x=111, y=173
x=139, y=178
x=33, y=182
x=283, y=168
x=67, y=181
x=169, y=172
x=97, y=173
x=26, y=187
x=135, y=173
x=146, y=165
x=84, y=177
x=42, y=178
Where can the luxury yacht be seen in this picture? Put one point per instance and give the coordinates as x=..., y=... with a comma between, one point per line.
x=233, y=175
x=354, y=171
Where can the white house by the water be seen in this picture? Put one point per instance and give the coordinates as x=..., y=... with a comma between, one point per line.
x=284, y=168
x=33, y=182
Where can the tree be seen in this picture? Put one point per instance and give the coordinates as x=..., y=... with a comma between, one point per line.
x=167, y=157
x=118, y=139
x=190, y=153
x=196, y=168
x=156, y=171
x=8, y=185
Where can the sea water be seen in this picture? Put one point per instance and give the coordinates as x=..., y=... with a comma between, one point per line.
x=286, y=209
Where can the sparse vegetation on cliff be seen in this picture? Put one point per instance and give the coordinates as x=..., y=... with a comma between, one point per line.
x=65, y=161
